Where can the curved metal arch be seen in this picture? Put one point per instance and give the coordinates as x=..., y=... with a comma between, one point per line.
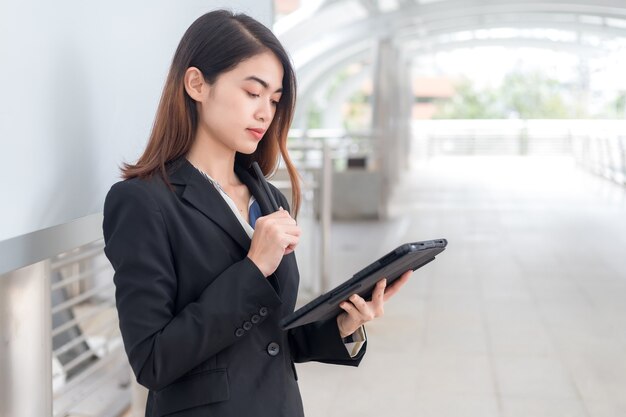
x=332, y=116
x=331, y=61
x=447, y=10
x=434, y=37
x=512, y=22
x=362, y=55
x=454, y=9
x=406, y=3
x=588, y=51
x=354, y=33
x=615, y=7
x=342, y=57
x=306, y=94
x=337, y=57
x=308, y=86
x=350, y=43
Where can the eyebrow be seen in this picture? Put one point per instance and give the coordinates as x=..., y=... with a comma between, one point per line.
x=263, y=83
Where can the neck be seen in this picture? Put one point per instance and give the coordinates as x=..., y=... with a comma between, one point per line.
x=215, y=159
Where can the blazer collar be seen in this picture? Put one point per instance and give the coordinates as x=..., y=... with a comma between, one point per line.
x=204, y=197
x=248, y=177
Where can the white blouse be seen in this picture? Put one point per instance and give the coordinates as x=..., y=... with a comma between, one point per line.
x=244, y=223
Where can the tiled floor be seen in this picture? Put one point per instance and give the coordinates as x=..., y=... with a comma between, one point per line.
x=523, y=315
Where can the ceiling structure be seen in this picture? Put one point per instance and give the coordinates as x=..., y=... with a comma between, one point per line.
x=324, y=37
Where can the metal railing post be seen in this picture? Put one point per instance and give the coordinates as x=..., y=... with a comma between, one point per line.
x=25, y=342
x=326, y=215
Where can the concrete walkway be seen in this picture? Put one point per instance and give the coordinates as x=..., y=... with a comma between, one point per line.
x=523, y=315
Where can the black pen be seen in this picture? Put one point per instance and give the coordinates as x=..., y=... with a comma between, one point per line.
x=266, y=187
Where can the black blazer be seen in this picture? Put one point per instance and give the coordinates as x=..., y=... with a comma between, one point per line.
x=199, y=321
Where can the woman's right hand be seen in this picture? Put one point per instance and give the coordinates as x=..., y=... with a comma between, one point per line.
x=275, y=236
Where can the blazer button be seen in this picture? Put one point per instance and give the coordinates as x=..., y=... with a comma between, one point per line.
x=263, y=311
x=239, y=332
x=247, y=325
x=273, y=349
x=255, y=319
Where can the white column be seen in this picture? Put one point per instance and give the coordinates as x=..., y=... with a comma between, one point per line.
x=390, y=115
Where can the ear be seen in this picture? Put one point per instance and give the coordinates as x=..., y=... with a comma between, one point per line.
x=195, y=84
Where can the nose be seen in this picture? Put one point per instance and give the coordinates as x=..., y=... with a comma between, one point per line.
x=265, y=111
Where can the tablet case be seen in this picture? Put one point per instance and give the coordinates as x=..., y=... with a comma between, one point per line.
x=391, y=266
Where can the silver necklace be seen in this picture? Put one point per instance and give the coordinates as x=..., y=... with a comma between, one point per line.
x=217, y=185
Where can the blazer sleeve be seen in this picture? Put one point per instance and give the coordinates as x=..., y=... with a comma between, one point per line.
x=161, y=345
x=319, y=341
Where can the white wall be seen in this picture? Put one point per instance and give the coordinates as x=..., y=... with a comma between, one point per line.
x=79, y=85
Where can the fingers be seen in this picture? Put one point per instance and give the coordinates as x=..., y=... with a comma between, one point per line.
x=349, y=308
x=280, y=214
x=353, y=320
x=397, y=284
x=292, y=230
x=378, y=299
x=360, y=311
x=271, y=219
x=289, y=241
x=278, y=225
x=363, y=310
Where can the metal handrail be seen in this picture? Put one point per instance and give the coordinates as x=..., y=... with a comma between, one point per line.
x=106, y=326
x=73, y=257
x=91, y=344
x=81, y=319
x=84, y=296
x=80, y=277
x=87, y=373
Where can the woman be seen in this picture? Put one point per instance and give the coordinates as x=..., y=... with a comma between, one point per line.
x=204, y=271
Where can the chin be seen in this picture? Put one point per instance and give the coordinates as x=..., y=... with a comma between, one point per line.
x=248, y=150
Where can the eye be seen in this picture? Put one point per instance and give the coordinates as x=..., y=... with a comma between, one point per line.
x=274, y=102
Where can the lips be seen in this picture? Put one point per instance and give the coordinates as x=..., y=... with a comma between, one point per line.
x=257, y=133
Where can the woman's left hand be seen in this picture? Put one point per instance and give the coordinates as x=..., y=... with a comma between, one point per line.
x=358, y=311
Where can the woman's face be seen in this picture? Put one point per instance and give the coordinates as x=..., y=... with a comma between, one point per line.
x=236, y=110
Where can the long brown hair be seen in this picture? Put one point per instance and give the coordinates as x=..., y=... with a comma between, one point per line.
x=215, y=43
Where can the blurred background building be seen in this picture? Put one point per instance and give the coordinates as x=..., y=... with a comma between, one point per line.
x=499, y=125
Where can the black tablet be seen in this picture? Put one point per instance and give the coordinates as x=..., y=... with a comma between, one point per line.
x=391, y=266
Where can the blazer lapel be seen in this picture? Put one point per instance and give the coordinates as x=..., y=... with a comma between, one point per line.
x=248, y=177
x=203, y=196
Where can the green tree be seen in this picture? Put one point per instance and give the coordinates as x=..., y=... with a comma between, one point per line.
x=471, y=103
x=532, y=95
x=620, y=104
x=358, y=116
x=616, y=108
x=314, y=116
x=526, y=95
